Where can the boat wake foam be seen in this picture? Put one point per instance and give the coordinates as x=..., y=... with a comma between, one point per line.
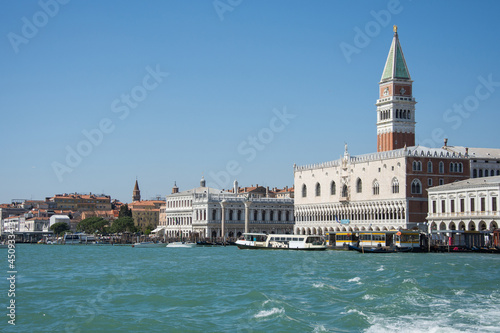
x=267, y=313
x=355, y=279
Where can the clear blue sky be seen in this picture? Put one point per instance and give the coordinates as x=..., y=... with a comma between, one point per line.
x=69, y=69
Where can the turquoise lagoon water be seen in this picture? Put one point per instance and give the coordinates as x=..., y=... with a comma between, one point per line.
x=223, y=289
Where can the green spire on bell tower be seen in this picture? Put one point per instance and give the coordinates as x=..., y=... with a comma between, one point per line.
x=395, y=66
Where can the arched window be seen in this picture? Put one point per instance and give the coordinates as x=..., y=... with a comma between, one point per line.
x=404, y=114
x=474, y=173
x=359, y=186
x=452, y=166
x=333, y=188
x=416, y=187
x=304, y=191
x=417, y=166
x=480, y=172
x=486, y=173
x=376, y=188
x=395, y=185
x=429, y=167
x=409, y=114
x=344, y=190
x=441, y=167
x=214, y=212
x=318, y=189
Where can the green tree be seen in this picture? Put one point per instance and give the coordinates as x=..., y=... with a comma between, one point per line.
x=59, y=228
x=124, y=211
x=123, y=224
x=92, y=224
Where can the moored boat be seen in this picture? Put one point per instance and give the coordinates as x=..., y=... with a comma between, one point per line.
x=78, y=238
x=71, y=239
x=148, y=244
x=281, y=242
x=381, y=249
x=181, y=244
x=388, y=241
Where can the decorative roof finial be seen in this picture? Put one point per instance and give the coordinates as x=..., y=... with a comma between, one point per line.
x=395, y=28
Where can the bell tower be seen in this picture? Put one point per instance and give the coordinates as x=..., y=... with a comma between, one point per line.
x=396, y=105
x=136, y=194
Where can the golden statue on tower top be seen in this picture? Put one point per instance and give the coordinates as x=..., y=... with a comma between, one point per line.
x=395, y=28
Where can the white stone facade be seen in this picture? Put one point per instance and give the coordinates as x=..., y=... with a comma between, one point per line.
x=470, y=205
x=369, y=191
x=59, y=218
x=200, y=211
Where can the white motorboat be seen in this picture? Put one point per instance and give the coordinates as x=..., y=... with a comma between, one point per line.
x=281, y=242
x=148, y=244
x=71, y=239
x=181, y=244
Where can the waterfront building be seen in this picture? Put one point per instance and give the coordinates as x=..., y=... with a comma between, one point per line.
x=468, y=205
x=204, y=212
x=7, y=210
x=285, y=192
x=81, y=202
x=264, y=192
x=35, y=225
x=383, y=190
x=34, y=204
x=484, y=162
x=378, y=191
x=59, y=218
x=108, y=215
x=11, y=224
x=146, y=213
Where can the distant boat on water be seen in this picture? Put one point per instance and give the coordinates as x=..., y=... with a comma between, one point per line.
x=148, y=244
x=181, y=244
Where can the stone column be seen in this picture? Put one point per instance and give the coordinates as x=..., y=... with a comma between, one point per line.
x=222, y=222
x=247, y=214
